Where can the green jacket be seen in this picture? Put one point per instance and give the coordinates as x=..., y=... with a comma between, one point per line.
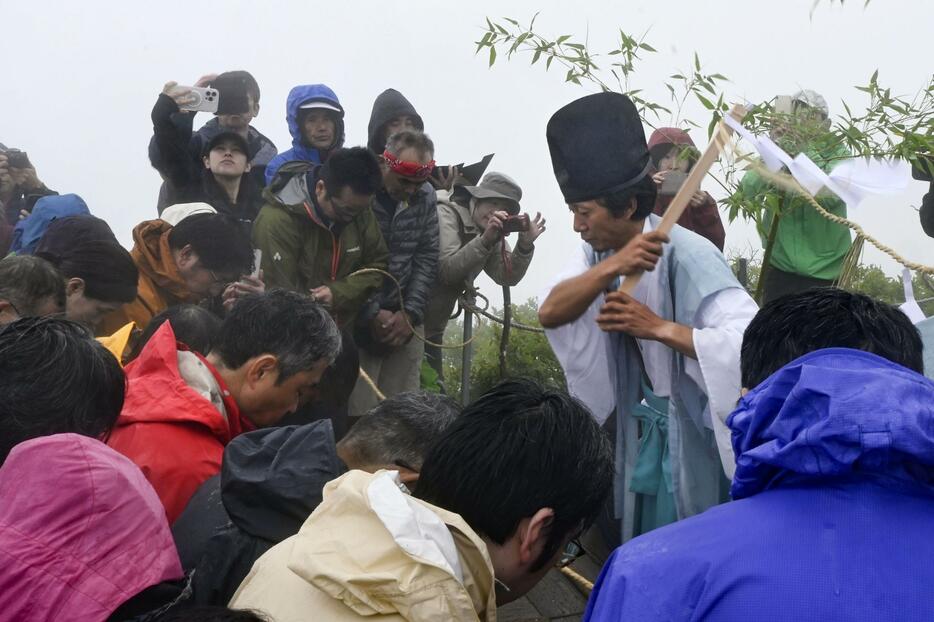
x=300, y=252
x=806, y=243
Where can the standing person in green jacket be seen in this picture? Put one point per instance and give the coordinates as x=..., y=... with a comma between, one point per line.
x=315, y=230
x=808, y=249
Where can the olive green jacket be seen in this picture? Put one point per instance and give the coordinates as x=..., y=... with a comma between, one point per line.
x=300, y=252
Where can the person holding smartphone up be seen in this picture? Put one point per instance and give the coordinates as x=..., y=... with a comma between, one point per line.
x=673, y=155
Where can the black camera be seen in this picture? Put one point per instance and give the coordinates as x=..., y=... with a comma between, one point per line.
x=17, y=159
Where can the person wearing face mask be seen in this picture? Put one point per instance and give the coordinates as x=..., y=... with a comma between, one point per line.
x=472, y=239
x=238, y=106
x=673, y=154
x=316, y=123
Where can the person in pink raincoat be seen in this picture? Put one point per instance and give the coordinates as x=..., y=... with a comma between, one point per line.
x=81, y=531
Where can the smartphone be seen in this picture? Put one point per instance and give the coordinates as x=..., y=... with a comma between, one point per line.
x=17, y=159
x=673, y=182
x=203, y=100
x=257, y=260
x=514, y=224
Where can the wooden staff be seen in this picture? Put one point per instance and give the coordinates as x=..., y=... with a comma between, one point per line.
x=721, y=137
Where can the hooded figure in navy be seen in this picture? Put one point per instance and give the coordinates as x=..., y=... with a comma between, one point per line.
x=316, y=123
x=832, y=511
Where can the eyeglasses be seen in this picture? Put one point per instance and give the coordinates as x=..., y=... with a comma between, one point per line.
x=572, y=552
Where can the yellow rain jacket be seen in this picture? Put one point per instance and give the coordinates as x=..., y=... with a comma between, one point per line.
x=372, y=552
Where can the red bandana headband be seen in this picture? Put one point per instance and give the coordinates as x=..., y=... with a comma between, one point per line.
x=408, y=169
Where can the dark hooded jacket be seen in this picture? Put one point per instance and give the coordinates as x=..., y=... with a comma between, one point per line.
x=298, y=96
x=410, y=229
x=270, y=483
x=926, y=213
x=703, y=219
x=388, y=105
x=831, y=514
x=262, y=150
x=196, y=184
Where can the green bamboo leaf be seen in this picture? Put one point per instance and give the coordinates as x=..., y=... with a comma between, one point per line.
x=536, y=56
x=646, y=46
x=492, y=55
x=548, y=62
x=706, y=102
x=696, y=61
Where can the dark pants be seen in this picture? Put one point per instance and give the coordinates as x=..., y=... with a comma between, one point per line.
x=331, y=400
x=779, y=283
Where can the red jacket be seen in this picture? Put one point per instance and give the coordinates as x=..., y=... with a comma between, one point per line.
x=174, y=434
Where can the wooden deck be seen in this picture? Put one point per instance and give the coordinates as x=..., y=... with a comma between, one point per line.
x=556, y=598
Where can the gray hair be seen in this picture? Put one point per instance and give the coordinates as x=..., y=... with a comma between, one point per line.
x=289, y=325
x=401, y=428
x=410, y=139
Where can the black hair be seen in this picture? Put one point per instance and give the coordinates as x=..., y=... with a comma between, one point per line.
x=221, y=242
x=690, y=153
x=356, y=168
x=194, y=326
x=288, y=325
x=27, y=282
x=401, y=428
x=237, y=83
x=825, y=317
x=643, y=191
x=55, y=378
x=210, y=613
x=518, y=449
x=106, y=268
x=410, y=139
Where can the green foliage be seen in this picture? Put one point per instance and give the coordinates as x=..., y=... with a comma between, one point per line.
x=870, y=280
x=889, y=126
x=528, y=355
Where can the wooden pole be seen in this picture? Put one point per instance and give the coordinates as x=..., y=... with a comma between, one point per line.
x=466, y=358
x=721, y=137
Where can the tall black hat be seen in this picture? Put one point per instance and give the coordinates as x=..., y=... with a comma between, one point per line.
x=597, y=146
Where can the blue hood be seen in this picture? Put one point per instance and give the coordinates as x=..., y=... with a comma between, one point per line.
x=302, y=94
x=834, y=413
x=29, y=231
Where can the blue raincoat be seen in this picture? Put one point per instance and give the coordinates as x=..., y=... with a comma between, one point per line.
x=29, y=231
x=303, y=94
x=832, y=514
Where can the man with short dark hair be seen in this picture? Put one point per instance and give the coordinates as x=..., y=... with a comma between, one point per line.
x=513, y=480
x=183, y=408
x=187, y=262
x=271, y=481
x=832, y=499
x=29, y=287
x=406, y=208
x=316, y=229
x=675, y=341
x=238, y=105
x=55, y=378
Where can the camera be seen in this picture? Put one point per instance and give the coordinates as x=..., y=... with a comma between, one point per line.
x=16, y=158
x=514, y=224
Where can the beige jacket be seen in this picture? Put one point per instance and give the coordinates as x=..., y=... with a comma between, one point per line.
x=462, y=256
x=371, y=552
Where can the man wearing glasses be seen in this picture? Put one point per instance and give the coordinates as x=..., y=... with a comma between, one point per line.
x=194, y=259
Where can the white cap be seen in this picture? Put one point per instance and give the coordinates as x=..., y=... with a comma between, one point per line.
x=174, y=214
x=320, y=104
x=812, y=99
